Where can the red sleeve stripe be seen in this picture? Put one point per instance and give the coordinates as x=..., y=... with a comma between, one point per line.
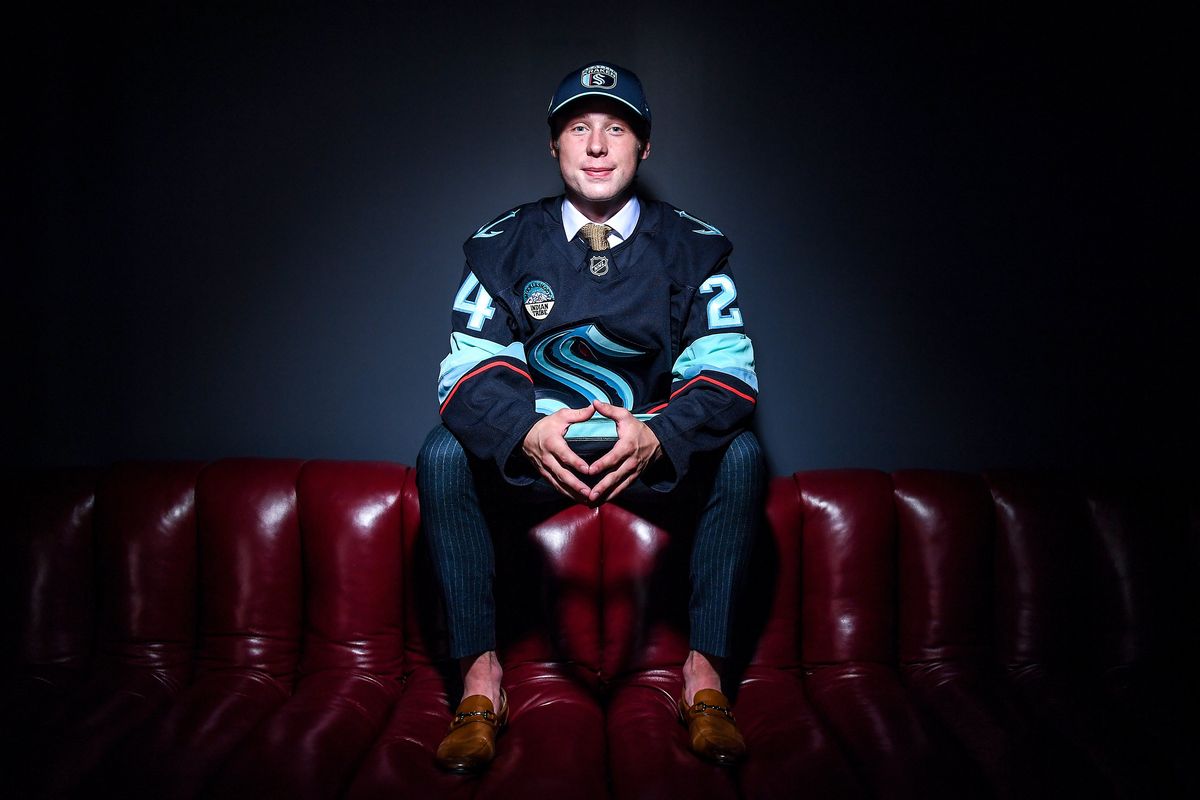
x=725, y=386
x=484, y=368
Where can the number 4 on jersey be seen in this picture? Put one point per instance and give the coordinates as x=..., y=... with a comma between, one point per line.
x=479, y=308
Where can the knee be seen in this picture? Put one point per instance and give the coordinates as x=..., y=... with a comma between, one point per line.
x=441, y=454
x=743, y=465
x=745, y=454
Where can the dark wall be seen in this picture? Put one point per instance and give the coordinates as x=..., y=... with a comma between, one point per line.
x=959, y=232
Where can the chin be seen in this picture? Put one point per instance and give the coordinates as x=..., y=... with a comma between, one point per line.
x=599, y=198
x=602, y=196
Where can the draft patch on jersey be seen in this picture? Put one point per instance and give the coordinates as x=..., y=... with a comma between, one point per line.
x=599, y=265
x=538, y=298
x=598, y=77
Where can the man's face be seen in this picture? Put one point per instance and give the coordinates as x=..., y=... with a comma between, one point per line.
x=598, y=151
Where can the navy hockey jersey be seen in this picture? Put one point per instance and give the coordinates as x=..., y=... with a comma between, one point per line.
x=652, y=325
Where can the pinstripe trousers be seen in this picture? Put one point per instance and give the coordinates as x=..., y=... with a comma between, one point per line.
x=722, y=502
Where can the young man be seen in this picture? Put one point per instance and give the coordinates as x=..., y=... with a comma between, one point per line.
x=595, y=311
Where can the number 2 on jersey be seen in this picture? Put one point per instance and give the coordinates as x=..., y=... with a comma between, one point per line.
x=480, y=307
x=720, y=315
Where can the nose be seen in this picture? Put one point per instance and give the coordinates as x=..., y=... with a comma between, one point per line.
x=597, y=144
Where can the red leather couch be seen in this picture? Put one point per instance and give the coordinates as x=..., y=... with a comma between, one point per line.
x=270, y=629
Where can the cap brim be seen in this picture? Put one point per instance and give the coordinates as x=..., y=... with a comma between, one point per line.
x=572, y=99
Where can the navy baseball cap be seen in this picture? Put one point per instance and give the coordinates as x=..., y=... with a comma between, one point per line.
x=602, y=79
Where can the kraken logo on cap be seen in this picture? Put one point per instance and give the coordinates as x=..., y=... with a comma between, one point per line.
x=598, y=77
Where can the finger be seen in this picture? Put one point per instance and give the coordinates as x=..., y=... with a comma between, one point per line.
x=553, y=481
x=602, y=489
x=612, y=458
x=573, y=415
x=609, y=410
x=569, y=479
x=574, y=497
x=622, y=486
x=565, y=491
x=571, y=488
x=562, y=451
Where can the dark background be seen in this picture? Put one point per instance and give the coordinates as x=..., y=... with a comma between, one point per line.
x=960, y=232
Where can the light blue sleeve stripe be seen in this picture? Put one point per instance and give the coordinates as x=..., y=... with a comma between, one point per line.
x=731, y=353
x=467, y=351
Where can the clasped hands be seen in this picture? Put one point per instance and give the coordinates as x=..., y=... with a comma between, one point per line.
x=635, y=449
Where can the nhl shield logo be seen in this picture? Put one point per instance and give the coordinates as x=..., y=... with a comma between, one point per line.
x=598, y=77
x=538, y=298
x=599, y=265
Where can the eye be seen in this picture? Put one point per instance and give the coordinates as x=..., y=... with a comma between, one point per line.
x=578, y=127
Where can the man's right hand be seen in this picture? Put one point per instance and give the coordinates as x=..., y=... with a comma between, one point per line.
x=547, y=448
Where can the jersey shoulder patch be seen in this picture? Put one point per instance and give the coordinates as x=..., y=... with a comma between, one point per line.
x=502, y=233
x=497, y=227
x=694, y=224
x=699, y=245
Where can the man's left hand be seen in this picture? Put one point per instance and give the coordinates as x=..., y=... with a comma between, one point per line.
x=636, y=448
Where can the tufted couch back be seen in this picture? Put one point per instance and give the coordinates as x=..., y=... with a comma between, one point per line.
x=272, y=628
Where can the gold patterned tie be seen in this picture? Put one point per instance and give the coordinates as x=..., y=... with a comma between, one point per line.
x=596, y=235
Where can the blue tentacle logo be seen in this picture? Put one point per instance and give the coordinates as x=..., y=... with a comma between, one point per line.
x=560, y=358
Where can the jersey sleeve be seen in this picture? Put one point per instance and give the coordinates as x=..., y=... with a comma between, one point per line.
x=714, y=388
x=485, y=391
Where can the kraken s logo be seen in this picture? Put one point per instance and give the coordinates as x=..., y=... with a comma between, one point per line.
x=563, y=359
x=598, y=77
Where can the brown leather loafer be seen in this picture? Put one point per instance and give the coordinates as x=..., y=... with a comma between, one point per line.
x=470, y=744
x=712, y=730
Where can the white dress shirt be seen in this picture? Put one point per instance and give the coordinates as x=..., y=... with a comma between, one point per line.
x=622, y=223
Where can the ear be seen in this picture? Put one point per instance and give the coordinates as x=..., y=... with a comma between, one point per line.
x=646, y=150
x=554, y=149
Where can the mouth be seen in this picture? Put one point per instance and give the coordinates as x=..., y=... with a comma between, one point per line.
x=597, y=172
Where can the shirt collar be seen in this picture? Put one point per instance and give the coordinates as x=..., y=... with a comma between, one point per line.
x=623, y=222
